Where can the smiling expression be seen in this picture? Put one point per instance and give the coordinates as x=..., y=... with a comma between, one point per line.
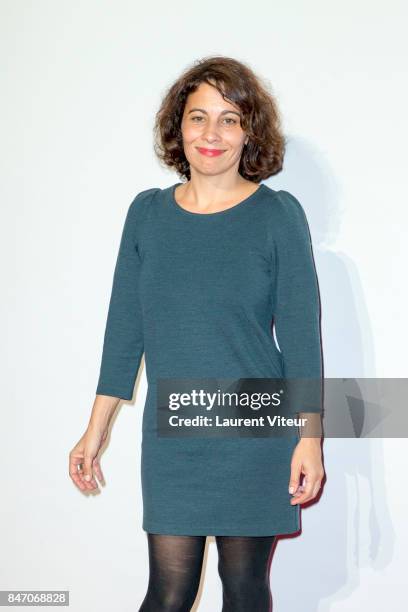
x=213, y=138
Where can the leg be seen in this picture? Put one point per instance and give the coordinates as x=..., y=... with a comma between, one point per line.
x=175, y=564
x=243, y=566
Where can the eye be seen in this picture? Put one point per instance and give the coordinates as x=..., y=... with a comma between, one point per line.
x=228, y=120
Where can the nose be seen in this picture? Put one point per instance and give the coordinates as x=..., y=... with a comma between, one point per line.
x=211, y=132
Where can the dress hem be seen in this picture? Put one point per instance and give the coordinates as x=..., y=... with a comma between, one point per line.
x=211, y=531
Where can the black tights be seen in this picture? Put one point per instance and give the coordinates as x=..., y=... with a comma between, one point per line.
x=175, y=569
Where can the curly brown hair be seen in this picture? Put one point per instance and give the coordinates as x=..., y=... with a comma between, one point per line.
x=263, y=155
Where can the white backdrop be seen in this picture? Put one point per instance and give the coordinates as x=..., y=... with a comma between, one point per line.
x=82, y=81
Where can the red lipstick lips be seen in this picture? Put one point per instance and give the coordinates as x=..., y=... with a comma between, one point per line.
x=210, y=152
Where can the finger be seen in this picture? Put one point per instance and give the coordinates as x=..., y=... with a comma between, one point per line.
x=88, y=472
x=89, y=484
x=308, y=488
x=81, y=472
x=294, y=477
x=98, y=471
x=299, y=491
x=76, y=478
x=316, y=488
x=74, y=462
x=307, y=493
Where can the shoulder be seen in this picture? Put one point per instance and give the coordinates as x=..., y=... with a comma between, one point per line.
x=137, y=212
x=287, y=223
x=286, y=215
x=140, y=204
x=286, y=208
x=143, y=199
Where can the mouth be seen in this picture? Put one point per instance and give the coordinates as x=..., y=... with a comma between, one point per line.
x=210, y=152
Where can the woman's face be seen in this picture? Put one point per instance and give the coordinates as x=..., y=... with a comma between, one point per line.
x=213, y=138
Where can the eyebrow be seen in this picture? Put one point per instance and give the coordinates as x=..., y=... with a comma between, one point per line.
x=204, y=111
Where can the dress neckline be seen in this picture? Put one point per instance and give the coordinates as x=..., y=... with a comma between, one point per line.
x=217, y=213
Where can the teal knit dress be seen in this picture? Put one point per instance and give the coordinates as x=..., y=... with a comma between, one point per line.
x=199, y=294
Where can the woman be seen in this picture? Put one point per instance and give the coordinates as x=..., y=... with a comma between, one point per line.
x=205, y=268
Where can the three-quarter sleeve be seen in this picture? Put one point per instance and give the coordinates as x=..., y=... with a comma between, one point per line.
x=297, y=305
x=123, y=338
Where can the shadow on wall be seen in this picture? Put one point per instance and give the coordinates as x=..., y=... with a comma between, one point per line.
x=350, y=526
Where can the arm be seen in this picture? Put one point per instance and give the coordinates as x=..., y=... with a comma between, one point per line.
x=297, y=306
x=297, y=326
x=121, y=355
x=123, y=339
x=84, y=462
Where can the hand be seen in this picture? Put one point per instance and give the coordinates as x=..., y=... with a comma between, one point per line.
x=307, y=460
x=84, y=460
